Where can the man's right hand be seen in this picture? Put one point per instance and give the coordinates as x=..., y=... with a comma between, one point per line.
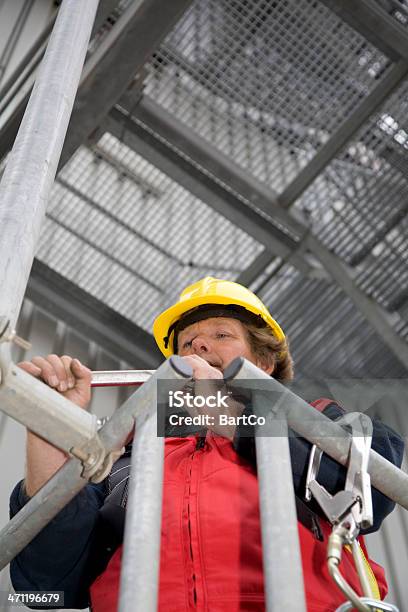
x=72, y=380
x=64, y=374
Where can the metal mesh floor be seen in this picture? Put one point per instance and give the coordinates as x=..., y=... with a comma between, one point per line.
x=265, y=82
x=131, y=236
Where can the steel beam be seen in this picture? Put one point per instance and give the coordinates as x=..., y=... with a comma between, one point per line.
x=105, y=9
x=375, y=24
x=379, y=319
x=115, y=63
x=114, y=333
x=337, y=141
x=256, y=268
x=209, y=175
x=345, y=132
x=153, y=118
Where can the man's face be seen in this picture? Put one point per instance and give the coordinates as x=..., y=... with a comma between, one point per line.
x=218, y=340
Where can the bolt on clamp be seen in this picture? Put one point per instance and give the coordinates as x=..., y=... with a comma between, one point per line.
x=10, y=335
x=96, y=462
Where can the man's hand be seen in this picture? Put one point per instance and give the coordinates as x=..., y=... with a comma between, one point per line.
x=72, y=380
x=207, y=383
x=64, y=374
x=202, y=370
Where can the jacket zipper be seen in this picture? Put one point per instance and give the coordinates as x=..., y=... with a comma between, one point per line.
x=200, y=443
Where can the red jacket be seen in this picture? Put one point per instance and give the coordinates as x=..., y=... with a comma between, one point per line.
x=211, y=553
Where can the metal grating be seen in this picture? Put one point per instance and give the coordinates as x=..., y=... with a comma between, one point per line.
x=358, y=205
x=327, y=334
x=267, y=83
x=130, y=236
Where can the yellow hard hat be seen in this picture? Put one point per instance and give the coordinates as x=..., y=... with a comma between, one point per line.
x=209, y=291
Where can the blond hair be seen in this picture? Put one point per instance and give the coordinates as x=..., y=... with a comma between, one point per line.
x=270, y=350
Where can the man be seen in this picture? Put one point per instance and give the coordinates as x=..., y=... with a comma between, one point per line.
x=211, y=554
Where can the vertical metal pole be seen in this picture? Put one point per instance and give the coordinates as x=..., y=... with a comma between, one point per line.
x=141, y=556
x=280, y=540
x=282, y=560
x=32, y=165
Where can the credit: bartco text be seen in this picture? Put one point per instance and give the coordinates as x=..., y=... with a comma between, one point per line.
x=206, y=420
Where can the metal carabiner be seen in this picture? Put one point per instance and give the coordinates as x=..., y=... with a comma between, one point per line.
x=356, y=496
x=373, y=604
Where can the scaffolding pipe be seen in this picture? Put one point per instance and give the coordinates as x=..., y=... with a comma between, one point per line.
x=44, y=411
x=120, y=378
x=284, y=588
x=67, y=482
x=310, y=424
x=142, y=535
x=40, y=510
x=141, y=555
x=33, y=161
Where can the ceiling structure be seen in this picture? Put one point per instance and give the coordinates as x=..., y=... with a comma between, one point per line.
x=256, y=140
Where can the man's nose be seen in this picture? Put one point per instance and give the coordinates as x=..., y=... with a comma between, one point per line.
x=200, y=345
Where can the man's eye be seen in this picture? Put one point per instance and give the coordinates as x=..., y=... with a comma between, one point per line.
x=222, y=335
x=187, y=344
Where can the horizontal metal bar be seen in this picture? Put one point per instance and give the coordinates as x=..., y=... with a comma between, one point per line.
x=318, y=429
x=120, y=378
x=67, y=482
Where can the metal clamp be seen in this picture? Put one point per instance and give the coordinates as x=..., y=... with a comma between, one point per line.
x=96, y=465
x=352, y=507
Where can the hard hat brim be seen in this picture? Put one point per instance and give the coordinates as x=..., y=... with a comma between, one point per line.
x=167, y=318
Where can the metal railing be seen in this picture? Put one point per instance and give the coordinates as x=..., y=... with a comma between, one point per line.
x=93, y=458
